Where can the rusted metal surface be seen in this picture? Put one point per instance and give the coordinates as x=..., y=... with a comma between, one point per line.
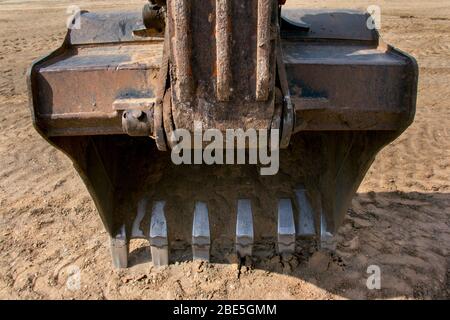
x=288, y=115
x=223, y=49
x=83, y=87
x=348, y=86
x=327, y=24
x=78, y=92
x=335, y=86
x=154, y=17
x=138, y=123
x=181, y=44
x=223, y=69
x=108, y=27
x=263, y=50
x=162, y=87
x=121, y=104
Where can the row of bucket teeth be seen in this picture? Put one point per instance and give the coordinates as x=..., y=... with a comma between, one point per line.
x=287, y=231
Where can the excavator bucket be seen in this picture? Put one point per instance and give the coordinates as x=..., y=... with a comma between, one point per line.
x=125, y=90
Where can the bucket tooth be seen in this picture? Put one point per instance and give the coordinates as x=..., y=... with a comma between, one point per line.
x=286, y=227
x=306, y=225
x=159, y=243
x=201, y=239
x=141, y=211
x=244, y=228
x=119, y=249
x=327, y=240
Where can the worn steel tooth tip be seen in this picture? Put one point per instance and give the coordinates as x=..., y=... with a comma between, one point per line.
x=286, y=227
x=119, y=249
x=201, y=239
x=327, y=240
x=159, y=243
x=141, y=211
x=306, y=225
x=244, y=228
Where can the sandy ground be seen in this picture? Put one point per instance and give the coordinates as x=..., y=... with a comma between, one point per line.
x=399, y=219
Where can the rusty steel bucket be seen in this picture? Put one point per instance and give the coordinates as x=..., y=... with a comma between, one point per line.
x=115, y=93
